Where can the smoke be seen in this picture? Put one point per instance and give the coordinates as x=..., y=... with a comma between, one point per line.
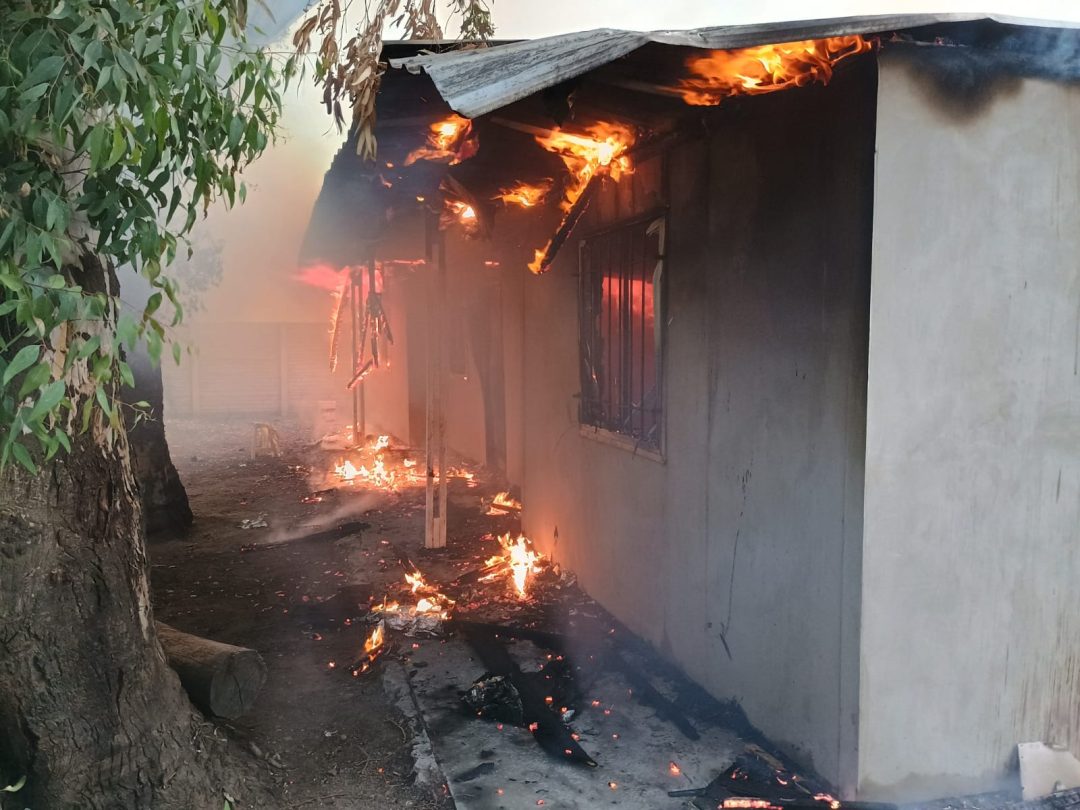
x=966, y=67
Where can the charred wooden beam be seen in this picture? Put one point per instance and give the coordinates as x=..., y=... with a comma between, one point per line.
x=323, y=535
x=222, y=680
x=650, y=696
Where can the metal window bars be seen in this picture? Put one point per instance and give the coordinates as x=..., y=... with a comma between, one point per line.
x=620, y=330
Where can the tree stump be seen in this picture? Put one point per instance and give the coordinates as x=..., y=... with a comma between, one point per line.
x=222, y=680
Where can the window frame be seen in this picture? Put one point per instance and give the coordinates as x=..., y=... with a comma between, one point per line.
x=656, y=223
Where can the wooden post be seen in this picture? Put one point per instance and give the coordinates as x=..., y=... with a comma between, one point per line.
x=435, y=439
x=354, y=323
x=440, y=370
x=429, y=389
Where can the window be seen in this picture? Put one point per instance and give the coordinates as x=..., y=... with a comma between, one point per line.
x=620, y=318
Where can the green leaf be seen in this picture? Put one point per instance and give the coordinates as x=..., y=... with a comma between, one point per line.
x=34, y=379
x=176, y=352
x=48, y=400
x=103, y=400
x=125, y=375
x=119, y=147
x=26, y=357
x=23, y=457
x=44, y=70
x=16, y=787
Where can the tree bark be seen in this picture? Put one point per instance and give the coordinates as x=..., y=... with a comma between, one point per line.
x=164, y=499
x=90, y=712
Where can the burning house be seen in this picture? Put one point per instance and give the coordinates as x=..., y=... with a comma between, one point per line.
x=774, y=331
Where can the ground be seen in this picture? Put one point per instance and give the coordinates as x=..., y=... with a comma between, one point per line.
x=399, y=736
x=330, y=740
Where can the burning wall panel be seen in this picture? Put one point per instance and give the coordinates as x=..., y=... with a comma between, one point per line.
x=731, y=555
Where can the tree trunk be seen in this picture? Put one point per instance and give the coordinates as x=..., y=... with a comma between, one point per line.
x=164, y=499
x=90, y=712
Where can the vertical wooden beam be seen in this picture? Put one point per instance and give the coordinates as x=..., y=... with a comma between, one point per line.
x=354, y=330
x=430, y=538
x=441, y=388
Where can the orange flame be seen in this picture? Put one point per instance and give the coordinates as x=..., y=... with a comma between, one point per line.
x=525, y=195
x=502, y=503
x=374, y=646
x=430, y=601
x=450, y=139
x=519, y=560
x=766, y=68
x=602, y=151
x=376, y=639
x=461, y=212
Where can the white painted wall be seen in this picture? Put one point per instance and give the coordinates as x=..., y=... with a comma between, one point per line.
x=970, y=609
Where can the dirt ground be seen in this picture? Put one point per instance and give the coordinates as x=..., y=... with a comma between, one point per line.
x=328, y=739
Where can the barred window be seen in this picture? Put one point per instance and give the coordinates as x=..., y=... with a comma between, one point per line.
x=621, y=330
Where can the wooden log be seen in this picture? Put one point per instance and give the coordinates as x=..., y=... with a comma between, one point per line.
x=222, y=680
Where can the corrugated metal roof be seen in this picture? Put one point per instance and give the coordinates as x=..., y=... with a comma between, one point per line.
x=474, y=82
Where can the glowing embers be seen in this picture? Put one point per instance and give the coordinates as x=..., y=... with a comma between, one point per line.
x=600, y=151
x=518, y=562
x=766, y=68
x=451, y=139
x=524, y=195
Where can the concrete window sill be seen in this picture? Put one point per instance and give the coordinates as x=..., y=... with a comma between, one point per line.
x=627, y=443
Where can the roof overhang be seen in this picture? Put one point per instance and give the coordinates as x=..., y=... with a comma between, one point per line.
x=479, y=80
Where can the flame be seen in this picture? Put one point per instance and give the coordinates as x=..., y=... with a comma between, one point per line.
x=374, y=646
x=461, y=212
x=674, y=769
x=740, y=803
x=376, y=639
x=525, y=195
x=519, y=560
x=346, y=470
x=502, y=503
x=430, y=602
x=766, y=68
x=338, y=296
x=450, y=139
x=602, y=151
x=381, y=443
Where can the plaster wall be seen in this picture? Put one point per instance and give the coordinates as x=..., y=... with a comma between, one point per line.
x=737, y=554
x=970, y=614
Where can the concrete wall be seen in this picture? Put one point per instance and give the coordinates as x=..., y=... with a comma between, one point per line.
x=971, y=614
x=737, y=555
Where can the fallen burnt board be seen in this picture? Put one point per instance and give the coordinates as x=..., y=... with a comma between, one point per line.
x=554, y=736
x=319, y=536
x=632, y=747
